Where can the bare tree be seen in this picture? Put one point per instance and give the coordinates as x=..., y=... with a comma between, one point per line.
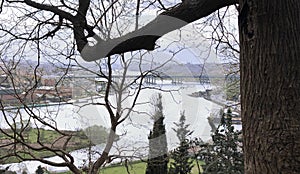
x=118, y=93
x=269, y=62
x=26, y=77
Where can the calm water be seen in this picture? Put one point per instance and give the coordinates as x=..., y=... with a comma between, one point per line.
x=136, y=128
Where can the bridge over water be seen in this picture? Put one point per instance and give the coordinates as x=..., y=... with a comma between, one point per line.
x=150, y=78
x=153, y=78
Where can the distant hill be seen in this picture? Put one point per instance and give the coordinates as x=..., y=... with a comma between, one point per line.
x=187, y=69
x=172, y=68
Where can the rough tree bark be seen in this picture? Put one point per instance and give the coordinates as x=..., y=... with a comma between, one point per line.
x=270, y=85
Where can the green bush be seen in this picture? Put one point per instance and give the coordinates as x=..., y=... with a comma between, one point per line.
x=224, y=154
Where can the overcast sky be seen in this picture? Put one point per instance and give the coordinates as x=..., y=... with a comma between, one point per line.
x=194, y=47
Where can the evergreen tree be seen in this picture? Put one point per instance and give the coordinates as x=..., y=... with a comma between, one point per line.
x=225, y=154
x=182, y=162
x=157, y=158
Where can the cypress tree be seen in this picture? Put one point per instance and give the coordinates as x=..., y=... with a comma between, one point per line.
x=225, y=154
x=158, y=158
x=182, y=163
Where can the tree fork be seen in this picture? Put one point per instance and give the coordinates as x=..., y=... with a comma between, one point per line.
x=145, y=37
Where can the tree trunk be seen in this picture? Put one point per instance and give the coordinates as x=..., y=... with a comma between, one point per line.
x=270, y=81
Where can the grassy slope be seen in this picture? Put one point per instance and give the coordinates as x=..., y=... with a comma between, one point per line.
x=47, y=137
x=134, y=168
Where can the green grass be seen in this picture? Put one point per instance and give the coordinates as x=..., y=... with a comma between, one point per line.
x=136, y=167
x=31, y=136
x=46, y=136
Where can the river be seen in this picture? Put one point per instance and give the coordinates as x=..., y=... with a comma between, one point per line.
x=135, y=129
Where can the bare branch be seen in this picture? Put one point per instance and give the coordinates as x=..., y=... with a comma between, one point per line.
x=145, y=37
x=50, y=8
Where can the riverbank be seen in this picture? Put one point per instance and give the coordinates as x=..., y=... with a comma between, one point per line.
x=82, y=114
x=40, y=138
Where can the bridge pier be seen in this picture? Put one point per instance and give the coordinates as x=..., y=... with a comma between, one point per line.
x=204, y=80
x=150, y=79
x=177, y=80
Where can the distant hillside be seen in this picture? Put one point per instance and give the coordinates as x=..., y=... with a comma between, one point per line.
x=172, y=69
x=187, y=69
